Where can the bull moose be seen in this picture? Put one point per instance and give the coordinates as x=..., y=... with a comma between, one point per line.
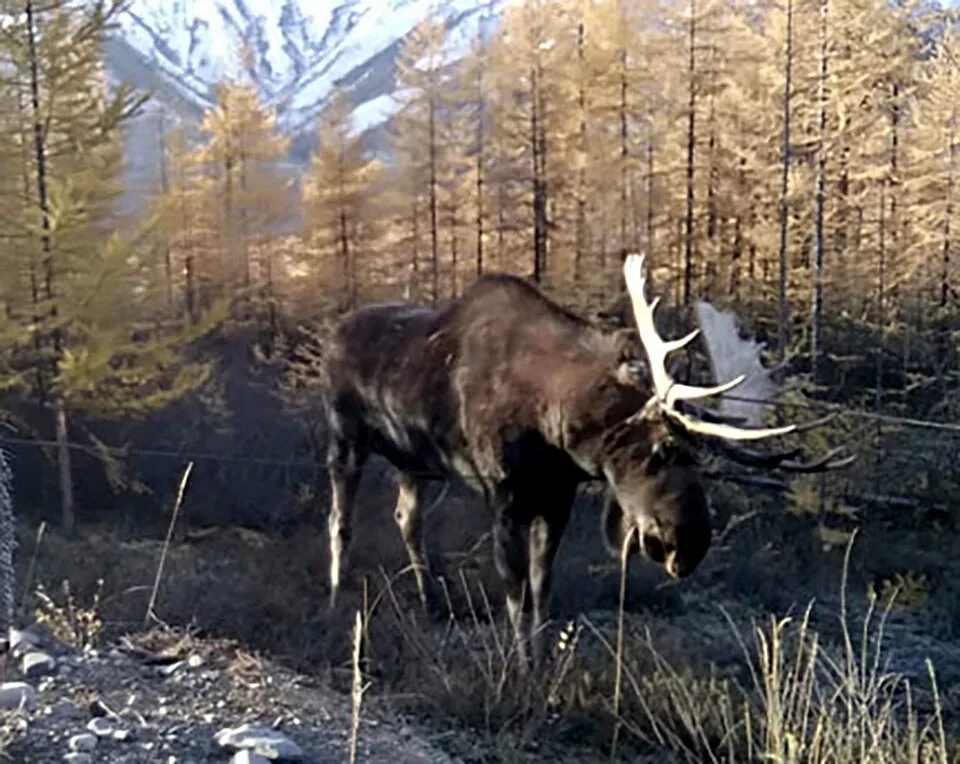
x=524, y=400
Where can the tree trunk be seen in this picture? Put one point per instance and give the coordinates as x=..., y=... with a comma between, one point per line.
x=539, y=181
x=343, y=236
x=164, y=190
x=649, y=232
x=691, y=144
x=943, y=326
x=481, y=145
x=624, y=153
x=37, y=339
x=893, y=182
x=454, y=250
x=348, y=281
x=39, y=145
x=245, y=225
x=712, y=159
x=480, y=192
x=881, y=299
x=817, y=270
x=886, y=229
x=783, y=307
x=415, y=249
x=227, y=256
x=501, y=221
x=434, y=238
x=945, y=253
x=190, y=279
x=581, y=235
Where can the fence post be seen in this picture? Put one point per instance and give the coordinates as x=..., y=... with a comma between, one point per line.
x=8, y=538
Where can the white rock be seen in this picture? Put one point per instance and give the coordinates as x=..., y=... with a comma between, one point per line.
x=83, y=742
x=21, y=641
x=36, y=663
x=14, y=695
x=101, y=726
x=265, y=741
x=121, y=735
x=78, y=757
x=245, y=757
x=171, y=668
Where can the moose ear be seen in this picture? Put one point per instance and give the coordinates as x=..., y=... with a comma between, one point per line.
x=628, y=345
x=631, y=369
x=616, y=527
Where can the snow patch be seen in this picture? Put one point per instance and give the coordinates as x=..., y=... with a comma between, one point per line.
x=374, y=112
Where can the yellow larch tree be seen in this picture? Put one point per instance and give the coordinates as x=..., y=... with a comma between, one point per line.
x=339, y=203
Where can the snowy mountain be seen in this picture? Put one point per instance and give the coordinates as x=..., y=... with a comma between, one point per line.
x=297, y=50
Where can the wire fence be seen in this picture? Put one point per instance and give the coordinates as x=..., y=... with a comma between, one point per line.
x=863, y=417
x=818, y=407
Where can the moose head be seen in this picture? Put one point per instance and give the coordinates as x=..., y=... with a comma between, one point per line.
x=656, y=501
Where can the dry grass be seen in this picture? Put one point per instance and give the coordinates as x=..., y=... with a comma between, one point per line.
x=357, y=690
x=799, y=699
x=693, y=683
x=69, y=621
x=151, y=613
x=12, y=726
x=805, y=702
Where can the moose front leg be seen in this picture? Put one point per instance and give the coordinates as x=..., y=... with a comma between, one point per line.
x=409, y=517
x=344, y=464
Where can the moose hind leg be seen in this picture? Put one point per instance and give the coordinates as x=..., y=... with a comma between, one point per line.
x=409, y=517
x=510, y=558
x=344, y=465
x=544, y=541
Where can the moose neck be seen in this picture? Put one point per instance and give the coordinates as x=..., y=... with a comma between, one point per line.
x=601, y=427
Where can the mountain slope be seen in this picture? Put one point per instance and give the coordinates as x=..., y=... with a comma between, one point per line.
x=296, y=50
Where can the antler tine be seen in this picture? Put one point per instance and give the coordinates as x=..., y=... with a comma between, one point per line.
x=656, y=349
x=814, y=423
x=668, y=392
x=679, y=392
x=784, y=459
x=728, y=431
x=825, y=463
x=709, y=415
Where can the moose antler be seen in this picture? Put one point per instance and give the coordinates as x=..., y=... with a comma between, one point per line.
x=668, y=392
